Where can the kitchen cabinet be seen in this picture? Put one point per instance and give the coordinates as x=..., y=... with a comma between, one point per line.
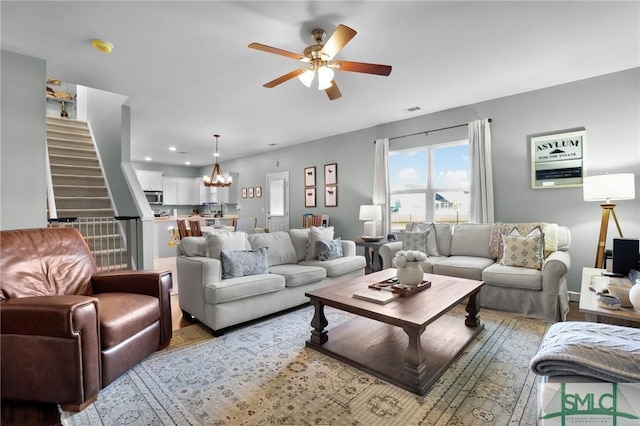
x=179, y=191
x=188, y=192
x=150, y=180
x=208, y=194
x=229, y=194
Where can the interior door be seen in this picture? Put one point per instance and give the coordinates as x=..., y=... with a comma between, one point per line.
x=278, y=201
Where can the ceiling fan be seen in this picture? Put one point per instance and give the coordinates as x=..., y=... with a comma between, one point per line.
x=321, y=63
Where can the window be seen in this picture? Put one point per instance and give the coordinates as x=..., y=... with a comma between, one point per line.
x=430, y=184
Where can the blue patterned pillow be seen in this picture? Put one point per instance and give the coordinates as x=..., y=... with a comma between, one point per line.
x=329, y=250
x=239, y=263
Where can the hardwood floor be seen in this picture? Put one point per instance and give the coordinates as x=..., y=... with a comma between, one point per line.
x=27, y=414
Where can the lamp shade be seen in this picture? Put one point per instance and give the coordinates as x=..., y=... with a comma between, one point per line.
x=370, y=213
x=620, y=186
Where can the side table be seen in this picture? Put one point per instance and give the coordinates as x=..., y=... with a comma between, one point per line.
x=371, y=254
x=629, y=317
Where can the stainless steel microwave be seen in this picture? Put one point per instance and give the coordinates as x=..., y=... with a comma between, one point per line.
x=154, y=197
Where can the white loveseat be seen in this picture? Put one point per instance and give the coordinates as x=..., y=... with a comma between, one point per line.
x=220, y=303
x=474, y=251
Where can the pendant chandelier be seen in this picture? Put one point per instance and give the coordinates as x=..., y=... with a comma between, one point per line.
x=217, y=178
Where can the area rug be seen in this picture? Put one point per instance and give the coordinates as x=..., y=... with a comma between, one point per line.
x=262, y=374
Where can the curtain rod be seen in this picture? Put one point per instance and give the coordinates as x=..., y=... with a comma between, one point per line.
x=426, y=132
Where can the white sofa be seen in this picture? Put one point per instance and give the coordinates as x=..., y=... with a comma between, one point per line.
x=470, y=250
x=220, y=303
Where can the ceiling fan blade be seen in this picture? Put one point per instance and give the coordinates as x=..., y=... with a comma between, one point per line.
x=363, y=67
x=283, y=78
x=333, y=92
x=269, y=49
x=340, y=37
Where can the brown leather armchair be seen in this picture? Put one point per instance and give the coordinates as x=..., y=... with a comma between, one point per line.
x=68, y=331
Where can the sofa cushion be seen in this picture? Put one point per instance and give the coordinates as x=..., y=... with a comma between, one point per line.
x=297, y=275
x=239, y=288
x=139, y=310
x=226, y=240
x=470, y=267
x=281, y=249
x=432, y=237
x=340, y=266
x=471, y=239
x=193, y=246
x=427, y=265
x=523, y=228
x=512, y=276
x=299, y=238
x=525, y=251
x=317, y=233
x=414, y=240
x=329, y=250
x=240, y=263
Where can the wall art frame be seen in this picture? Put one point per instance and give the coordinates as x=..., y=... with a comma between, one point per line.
x=331, y=196
x=310, y=197
x=331, y=174
x=250, y=191
x=309, y=176
x=557, y=160
x=258, y=191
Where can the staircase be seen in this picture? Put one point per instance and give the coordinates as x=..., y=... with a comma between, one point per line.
x=78, y=184
x=80, y=191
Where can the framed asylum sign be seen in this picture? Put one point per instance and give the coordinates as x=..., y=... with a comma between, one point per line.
x=557, y=160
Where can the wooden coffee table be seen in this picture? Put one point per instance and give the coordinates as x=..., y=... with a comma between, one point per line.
x=410, y=341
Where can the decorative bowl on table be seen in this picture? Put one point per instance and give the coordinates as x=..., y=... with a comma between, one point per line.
x=621, y=291
x=372, y=238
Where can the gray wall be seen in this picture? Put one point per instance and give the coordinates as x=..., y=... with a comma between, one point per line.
x=608, y=107
x=23, y=184
x=110, y=124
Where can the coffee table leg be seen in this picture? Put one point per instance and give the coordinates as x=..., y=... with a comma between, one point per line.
x=319, y=322
x=414, y=358
x=472, y=319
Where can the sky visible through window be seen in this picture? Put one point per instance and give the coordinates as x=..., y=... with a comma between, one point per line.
x=408, y=169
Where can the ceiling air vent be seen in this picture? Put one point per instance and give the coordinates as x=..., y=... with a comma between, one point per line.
x=412, y=109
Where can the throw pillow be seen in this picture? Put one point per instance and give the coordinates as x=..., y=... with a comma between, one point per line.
x=415, y=241
x=226, y=240
x=317, y=233
x=523, y=251
x=432, y=238
x=240, y=263
x=329, y=250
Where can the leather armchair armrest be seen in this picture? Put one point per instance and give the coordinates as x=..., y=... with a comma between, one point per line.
x=152, y=283
x=52, y=337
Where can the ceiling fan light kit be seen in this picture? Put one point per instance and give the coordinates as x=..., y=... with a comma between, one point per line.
x=217, y=178
x=321, y=64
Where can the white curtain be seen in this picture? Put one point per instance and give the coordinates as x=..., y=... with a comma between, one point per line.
x=381, y=183
x=481, y=172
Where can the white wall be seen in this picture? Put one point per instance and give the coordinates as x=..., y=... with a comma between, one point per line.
x=23, y=185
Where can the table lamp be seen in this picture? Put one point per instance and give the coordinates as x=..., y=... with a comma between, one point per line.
x=606, y=188
x=370, y=214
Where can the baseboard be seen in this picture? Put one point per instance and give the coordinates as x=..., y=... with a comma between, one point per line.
x=574, y=296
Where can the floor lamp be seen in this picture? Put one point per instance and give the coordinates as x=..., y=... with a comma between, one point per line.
x=608, y=188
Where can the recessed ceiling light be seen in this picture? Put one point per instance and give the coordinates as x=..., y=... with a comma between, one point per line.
x=182, y=152
x=172, y=148
x=188, y=163
x=147, y=158
x=273, y=144
x=102, y=46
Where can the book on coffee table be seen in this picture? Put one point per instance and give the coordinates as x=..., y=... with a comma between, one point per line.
x=376, y=296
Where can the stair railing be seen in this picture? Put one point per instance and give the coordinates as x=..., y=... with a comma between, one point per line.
x=51, y=199
x=111, y=239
